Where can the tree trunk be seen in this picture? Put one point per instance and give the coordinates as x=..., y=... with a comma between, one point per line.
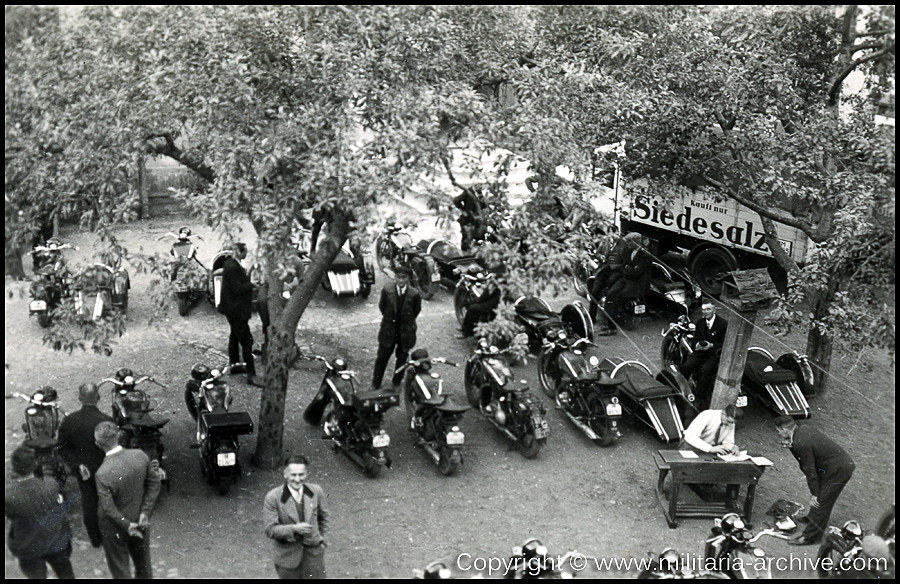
x=282, y=332
x=13, y=263
x=820, y=343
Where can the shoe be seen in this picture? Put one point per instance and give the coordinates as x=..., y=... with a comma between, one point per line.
x=459, y=336
x=255, y=380
x=605, y=332
x=238, y=369
x=803, y=540
x=96, y=543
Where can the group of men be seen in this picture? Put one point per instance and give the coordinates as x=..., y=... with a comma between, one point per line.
x=118, y=488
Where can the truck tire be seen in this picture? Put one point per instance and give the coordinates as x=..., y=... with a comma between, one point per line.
x=708, y=267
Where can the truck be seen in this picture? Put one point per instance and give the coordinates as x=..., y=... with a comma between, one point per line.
x=719, y=235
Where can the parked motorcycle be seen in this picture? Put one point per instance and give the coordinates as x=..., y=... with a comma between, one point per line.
x=450, y=260
x=780, y=384
x=106, y=285
x=190, y=277
x=346, y=278
x=433, y=571
x=208, y=399
x=52, y=280
x=534, y=315
x=42, y=419
x=531, y=561
x=131, y=409
x=351, y=419
x=510, y=407
x=475, y=286
x=433, y=416
x=669, y=566
x=394, y=248
x=730, y=549
x=847, y=552
x=569, y=372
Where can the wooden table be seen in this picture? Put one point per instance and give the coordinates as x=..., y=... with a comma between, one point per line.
x=705, y=469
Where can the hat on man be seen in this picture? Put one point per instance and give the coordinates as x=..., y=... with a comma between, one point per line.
x=89, y=394
x=419, y=355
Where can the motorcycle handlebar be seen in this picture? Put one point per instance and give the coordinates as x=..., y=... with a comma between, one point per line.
x=43, y=248
x=31, y=400
x=770, y=532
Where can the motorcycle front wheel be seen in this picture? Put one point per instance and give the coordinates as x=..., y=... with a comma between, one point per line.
x=190, y=402
x=548, y=373
x=372, y=469
x=473, y=379
x=383, y=253
x=421, y=278
x=670, y=352
x=887, y=524
x=461, y=303
x=834, y=556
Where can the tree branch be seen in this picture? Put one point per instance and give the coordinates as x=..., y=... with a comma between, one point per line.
x=175, y=153
x=838, y=82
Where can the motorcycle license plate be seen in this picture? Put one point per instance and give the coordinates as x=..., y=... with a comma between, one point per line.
x=226, y=459
x=454, y=438
x=542, y=431
x=435, y=277
x=381, y=441
x=639, y=309
x=37, y=305
x=614, y=410
x=741, y=401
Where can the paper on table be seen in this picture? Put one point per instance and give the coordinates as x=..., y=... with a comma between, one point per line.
x=688, y=454
x=761, y=461
x=735, y=457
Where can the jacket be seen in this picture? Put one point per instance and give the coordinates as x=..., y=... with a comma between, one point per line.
x=126, y=487
x=716, y=335
x=76, y=439
x=237, y=290
x=398, y=323
x=279, y=515
x=38, y=518
x=821, y=459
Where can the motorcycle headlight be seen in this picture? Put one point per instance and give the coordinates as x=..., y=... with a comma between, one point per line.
x=594, y=361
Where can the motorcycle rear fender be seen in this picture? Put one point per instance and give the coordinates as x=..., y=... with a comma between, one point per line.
x=746, y=565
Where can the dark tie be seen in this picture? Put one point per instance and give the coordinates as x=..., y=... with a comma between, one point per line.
x=300, y=507
x=718, y=435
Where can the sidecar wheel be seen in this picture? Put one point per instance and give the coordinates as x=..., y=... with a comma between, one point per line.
x=548, y=373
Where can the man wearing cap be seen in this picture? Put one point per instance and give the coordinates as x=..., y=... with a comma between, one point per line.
x=81, y=454
x=400, y=304
x=237, y=297
x=709, y=334
x=827, y=468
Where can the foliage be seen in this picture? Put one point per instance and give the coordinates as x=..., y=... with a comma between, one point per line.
x=505, y=334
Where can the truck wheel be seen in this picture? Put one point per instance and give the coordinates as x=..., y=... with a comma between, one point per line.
x=709, y=266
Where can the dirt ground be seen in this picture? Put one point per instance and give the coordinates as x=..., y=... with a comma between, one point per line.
x=574, y=495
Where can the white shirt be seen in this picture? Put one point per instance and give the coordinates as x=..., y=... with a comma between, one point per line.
x=115, y=450
x=709, y=323
x=701, y=434
x=297, y=495
x=401, y=290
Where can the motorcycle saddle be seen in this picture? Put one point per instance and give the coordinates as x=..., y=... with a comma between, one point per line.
x=757, y=364
x=449, y=407
x=342, y=263
x=642, y=386
x=533, y=310
x=148, y=423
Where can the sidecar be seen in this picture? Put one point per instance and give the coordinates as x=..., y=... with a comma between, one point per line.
x=345, y=278
x=651, y=400
x=537, y=319
x=781, y=385
x=99, y=287
x=450, y=260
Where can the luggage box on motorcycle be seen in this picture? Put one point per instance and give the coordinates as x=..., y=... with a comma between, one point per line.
x=380, y=397
x=227, y=423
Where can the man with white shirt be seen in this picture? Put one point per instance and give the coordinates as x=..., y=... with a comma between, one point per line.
x=296, y=520
x=712, y=431
x=127, y=488
x=709, y=336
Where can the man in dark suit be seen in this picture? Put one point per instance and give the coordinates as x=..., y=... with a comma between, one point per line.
x=296, y=520
x=237, y=296
x=710, y=335
x=827, y=468
x=630, y=280
x=39, y=532
x=127, y=487
x=81, y=454
x=400, y=304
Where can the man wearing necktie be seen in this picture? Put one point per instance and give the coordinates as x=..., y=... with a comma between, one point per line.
x=400, y=304
x=296, y=521
x=712, y=431
x=710, y=334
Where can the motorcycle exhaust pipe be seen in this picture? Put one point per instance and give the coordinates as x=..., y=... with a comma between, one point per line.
x=431, y=450
x=503, y=429
x=583, y=427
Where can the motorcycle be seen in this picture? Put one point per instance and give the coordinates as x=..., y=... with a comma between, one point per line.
x=107, y=284
x=730, y=549
x=42, y=419
x=433, y=571
x=52, y=280
x=509, y=407
x=352, y=420
x=208, y=399
x=847, y=553
x=345, y=277
x=394, y=248
x=190, y=277
x=131, y=409
x=668, y=566
x=780, y=384
x=474, y=287
x=537, y=320
x=450, y=260
x=531, y=561
x=569, y=372
x=433, y=416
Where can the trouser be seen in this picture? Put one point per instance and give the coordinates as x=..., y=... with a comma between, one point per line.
x=119, y=546
x=89, y=502
x=312, y=565
x=708, y=364
x=706, y=491
x=240, y=337
x=829, y=490
x=36, y=568
x=603, y=279
x=381, y=361
x=478, y=312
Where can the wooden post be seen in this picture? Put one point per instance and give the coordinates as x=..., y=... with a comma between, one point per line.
x=748, y=293
x=142, y=189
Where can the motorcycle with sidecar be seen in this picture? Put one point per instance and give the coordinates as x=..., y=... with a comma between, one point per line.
x=394, y=248
x=52, y=280
x=537, y=320
x=42, y=419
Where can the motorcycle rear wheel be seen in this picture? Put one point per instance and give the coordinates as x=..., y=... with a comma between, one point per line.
x=222, y=487
x=372, y=470
x=528, y=444
x=598, y=421
x=421, y=279
x=448, y=465
x=548, y=373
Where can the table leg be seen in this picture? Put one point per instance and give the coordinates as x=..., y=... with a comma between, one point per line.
x=748, y=502
x=668, y=506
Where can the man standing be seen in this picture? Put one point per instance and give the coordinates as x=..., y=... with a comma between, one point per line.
x=400, y=304
x=39, y=532
x=237, y=297
x=296, y=520
x=710, y=335
x=827, y=468
x=81, y=454
x=127, y=487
